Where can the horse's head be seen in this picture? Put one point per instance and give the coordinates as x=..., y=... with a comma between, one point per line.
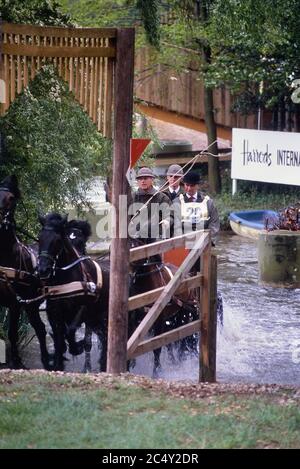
x=51, y=242
x=9, y=195
x=79, y=231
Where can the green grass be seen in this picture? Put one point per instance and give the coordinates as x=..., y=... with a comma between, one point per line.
x=62, y=411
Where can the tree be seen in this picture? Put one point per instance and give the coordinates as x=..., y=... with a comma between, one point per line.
x=52, y=146
x=41, y=12
x=49, y=142
x=148, y=13
x=189, y=29
x=255, y=52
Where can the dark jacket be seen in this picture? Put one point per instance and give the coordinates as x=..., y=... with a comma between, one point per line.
x=150, y=220
x=170, y=194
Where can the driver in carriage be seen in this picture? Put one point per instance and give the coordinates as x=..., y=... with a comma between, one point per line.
x=151, y=211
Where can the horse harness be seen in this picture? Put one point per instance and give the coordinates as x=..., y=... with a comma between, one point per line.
x=10, y=275
x=76, y=288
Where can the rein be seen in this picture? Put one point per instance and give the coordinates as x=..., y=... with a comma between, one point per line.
x=69, y=266
x=144, y=274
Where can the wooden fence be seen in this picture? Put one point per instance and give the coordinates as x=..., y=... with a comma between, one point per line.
x=98, y=65
x=83, y=57
x=183, y=93
x=159, y=298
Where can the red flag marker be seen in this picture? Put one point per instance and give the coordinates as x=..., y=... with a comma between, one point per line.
x=137, y=147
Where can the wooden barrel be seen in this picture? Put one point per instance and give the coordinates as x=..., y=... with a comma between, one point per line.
x=279, y=258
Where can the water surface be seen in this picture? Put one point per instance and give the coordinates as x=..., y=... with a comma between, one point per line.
x=260, y=339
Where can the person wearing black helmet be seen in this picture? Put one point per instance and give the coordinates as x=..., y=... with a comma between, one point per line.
x=198, y=210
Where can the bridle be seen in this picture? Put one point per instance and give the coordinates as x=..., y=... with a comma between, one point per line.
x=138, y=274
x=85, y=285
x=54, y=259
x=46, y=255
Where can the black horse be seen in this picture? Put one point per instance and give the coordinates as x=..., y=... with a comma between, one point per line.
x=76, y=281
x=17, y=279
x=79, y=231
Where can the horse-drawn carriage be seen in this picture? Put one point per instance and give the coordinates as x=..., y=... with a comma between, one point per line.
x=75, y=286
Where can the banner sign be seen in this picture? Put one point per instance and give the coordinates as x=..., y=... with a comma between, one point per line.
x=266, y=156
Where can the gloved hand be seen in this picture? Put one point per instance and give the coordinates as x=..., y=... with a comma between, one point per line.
x=164, y=230
x=165, y=224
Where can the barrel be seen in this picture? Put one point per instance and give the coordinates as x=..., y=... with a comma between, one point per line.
x=279, y=258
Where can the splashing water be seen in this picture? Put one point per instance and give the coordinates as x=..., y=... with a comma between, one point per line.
x=259, y=341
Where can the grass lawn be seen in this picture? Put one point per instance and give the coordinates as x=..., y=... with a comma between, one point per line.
x=57, y=410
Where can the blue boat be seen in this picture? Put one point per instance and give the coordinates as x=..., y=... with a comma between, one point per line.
x=250, y=223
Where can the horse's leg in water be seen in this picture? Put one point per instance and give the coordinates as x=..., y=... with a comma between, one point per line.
x=157, y=364
x=101, y=330
x=13, y=324
x=72, y=324
x=170, y=350
x=103, y=354
x=188, y=345
x=158, y=328
x=40, y=330
x=220, y=310
x=87, y=368
x=56, y=320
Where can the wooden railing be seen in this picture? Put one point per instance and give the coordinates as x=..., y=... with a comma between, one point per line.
x=159, y=298
x=83, y=57
x=183, y=93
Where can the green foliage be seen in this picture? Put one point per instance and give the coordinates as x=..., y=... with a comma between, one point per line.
x=41, y=12
x=253, y=196
x=52, y=146
x=149, y=10
x=255, y=42
x=101, y=13
x=23, y=328
x=118, y=13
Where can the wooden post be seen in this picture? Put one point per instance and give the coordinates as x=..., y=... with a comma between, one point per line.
x=208, y=323
x=119, y=260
